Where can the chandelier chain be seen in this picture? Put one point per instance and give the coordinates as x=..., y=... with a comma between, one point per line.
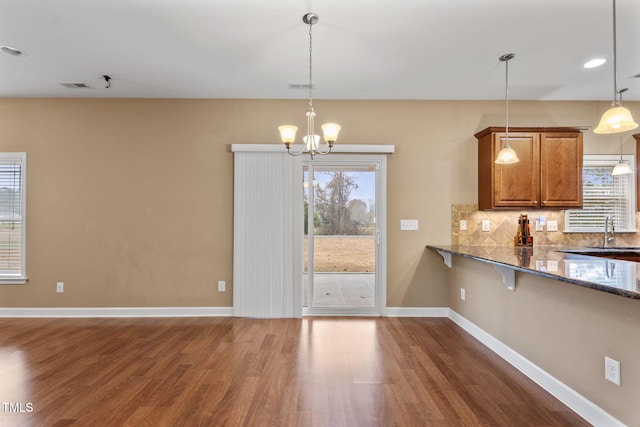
x=310, y=63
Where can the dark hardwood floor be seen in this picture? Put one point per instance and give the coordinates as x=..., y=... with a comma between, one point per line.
x=258, y=372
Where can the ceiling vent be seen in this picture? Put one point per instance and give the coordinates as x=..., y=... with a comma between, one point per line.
x=11, y=50
x=76, y=85
x=301, y=86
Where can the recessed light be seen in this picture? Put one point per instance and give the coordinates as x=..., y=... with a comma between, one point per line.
x=11, y=50
x=593, y=63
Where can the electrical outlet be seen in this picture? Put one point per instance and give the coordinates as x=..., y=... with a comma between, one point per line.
x=221, y=286
x=463, y=224
x=60, y=287
x=552, y=225
x=463, y=294
x=612, y=370
x=486, y=225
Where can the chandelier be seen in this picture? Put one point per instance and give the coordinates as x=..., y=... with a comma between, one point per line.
x=311, y=142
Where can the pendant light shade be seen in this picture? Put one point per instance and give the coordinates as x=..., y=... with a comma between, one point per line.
x=622, y=169
x=507, y=155
x=617, y=118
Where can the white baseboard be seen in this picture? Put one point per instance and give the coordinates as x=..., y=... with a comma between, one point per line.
x=119, y=312
x=588, y=410
x=417, y=312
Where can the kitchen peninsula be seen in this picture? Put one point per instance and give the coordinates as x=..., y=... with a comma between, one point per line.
x=559, y=315
x=579, y=266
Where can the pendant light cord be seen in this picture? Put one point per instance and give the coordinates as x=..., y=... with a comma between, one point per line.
x=506, y=58
x=615, y=65
x=506, y=97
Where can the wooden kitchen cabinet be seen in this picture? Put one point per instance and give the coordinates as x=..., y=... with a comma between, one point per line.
x=548, y=175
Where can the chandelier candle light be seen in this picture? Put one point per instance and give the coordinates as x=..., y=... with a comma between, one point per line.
x=330, y=131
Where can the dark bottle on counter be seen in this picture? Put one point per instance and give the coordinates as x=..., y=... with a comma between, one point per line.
x=523, y=235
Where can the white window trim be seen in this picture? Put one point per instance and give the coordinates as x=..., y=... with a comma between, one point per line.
x=19, y=279
x=611, y=160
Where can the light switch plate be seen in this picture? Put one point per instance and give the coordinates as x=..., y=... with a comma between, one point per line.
x=552, y=225
x=408, y=224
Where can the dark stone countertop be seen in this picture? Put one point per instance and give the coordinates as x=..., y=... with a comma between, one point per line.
x=566, y=264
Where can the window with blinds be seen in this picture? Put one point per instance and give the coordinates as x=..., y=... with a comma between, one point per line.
x=604, y=194
x=12, y=218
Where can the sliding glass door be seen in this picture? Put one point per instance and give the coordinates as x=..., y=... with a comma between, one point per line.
x=342, y=236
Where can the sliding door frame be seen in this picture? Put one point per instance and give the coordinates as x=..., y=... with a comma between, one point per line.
x=379, y=161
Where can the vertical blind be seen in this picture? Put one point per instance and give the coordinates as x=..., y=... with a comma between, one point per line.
x=12, y=216
x=603, y=194
x=267, y=242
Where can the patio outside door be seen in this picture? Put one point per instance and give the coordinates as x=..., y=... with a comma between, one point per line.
x=342, y=236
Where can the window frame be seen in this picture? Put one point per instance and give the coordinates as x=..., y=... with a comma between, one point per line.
x=18, y=158
x=609, y=160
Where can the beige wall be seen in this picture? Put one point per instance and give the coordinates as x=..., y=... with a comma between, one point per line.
x=565, y=329
x=130, y=201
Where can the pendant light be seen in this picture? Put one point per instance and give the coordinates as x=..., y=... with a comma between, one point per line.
x=507, y=155
x=311, y=141
x=617, y=118
x=622, y=168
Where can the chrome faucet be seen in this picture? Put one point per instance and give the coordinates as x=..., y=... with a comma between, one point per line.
x=609, y=235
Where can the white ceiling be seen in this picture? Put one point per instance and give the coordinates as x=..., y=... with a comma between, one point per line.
x=376, y=49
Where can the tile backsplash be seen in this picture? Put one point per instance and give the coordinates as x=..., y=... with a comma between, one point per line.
x=503, y=226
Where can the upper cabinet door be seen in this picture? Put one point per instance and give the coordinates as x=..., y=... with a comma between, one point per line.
x=561, y=170
x=516, y=185
x=548, y=175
